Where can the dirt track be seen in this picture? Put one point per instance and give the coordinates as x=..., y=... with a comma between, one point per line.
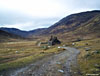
x=55, y=65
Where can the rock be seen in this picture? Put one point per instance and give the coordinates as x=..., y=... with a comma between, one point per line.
x=96, y=65
x=86, y=44
x=73, y=44
x=97, y=52
x=60, y=71
x=17, y=51
x=59, y=47
x=49, y=46
x=39, y=44
x=87, y=49
x=58, y=62
x=43, y=65
x=64, y=45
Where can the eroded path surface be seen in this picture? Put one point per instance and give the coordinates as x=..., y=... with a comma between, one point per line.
x=56, y=65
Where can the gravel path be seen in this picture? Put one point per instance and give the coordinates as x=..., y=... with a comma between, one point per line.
x=55, y=65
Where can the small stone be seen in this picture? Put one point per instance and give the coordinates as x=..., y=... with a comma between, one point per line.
x=64, y=45
x=43, y=65
x=49, y=46
x=17, y=51
x=60, y=71
x=87, y=49
x=58, y=62
x=73, y=44
x=59, y=47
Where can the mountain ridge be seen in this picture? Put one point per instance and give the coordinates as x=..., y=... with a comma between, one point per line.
x=83, y=23
x=5, y=36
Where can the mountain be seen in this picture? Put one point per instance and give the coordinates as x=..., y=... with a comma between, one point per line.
x=23, y=33
x=37, y=31
x=75, y=21
x=5, y=36
x=79, y=25
x=15, y=31
x=84, y=24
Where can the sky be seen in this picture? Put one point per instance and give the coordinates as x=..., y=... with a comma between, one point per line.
x=33, y=14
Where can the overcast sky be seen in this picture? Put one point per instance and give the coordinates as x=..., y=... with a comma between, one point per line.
x=32, y=14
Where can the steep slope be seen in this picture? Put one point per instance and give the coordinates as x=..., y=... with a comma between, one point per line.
x=5, y=36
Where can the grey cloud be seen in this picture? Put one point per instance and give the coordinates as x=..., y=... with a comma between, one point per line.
x=9, y=18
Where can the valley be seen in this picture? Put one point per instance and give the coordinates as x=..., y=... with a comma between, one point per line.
x=34, y=53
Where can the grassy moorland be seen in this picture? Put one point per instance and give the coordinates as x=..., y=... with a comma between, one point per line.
x=19, y=54
x=89, y=57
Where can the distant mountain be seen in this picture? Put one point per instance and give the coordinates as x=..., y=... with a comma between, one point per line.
x=5, y=36
x=23, y=33
x=37, y=31
x=15, y=31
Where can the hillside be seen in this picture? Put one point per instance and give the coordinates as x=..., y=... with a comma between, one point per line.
x=21, y=33
x=5, y=36
x=85, y=24
x=36, y=31
x=80, y=25
x=15, y=31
